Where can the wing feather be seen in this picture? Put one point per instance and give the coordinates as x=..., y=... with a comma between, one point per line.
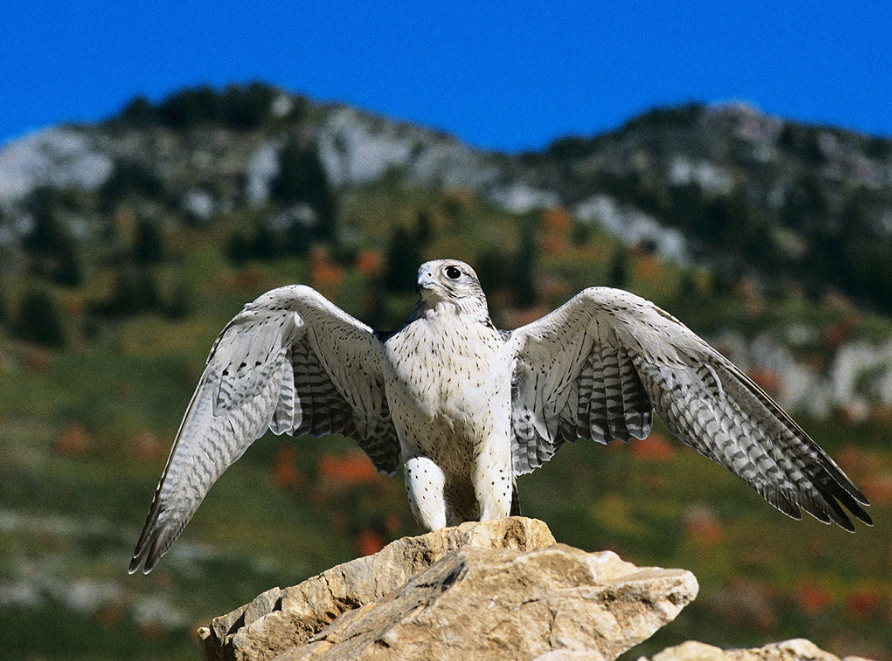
x=269, y=369
x=634, y=358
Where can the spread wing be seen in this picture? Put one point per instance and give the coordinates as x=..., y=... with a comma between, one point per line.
x=596, y=368
x=292, y=362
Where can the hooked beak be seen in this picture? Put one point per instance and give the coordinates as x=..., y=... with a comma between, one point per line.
x=425, y=280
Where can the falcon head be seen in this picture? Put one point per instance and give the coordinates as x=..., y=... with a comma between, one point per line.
x=451, y=281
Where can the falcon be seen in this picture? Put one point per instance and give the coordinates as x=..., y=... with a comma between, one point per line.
x=467, y=407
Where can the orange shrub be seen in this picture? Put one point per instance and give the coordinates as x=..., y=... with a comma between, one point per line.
x=369, y=542
x=284, y=473
x=556, y=221
x=323, y=271
x=369, y=262
x=769, y=380
x=813, y=598
x=73, y=440
x=655, y=447
x=863, y=602
x=348, y=469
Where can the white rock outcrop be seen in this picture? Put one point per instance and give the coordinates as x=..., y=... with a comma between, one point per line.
x=493, y=590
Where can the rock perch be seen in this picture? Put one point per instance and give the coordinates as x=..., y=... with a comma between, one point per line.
x=500, y=589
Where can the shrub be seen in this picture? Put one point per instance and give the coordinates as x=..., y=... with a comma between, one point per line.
x=40, y=320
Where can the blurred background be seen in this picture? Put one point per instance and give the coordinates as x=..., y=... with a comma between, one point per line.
x=160, y=167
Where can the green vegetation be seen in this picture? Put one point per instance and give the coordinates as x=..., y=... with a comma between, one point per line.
x=86, y=430
x=103, y=339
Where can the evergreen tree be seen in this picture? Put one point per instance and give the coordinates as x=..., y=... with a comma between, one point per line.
x=48, y=234
x=402, y=260
x=424, y=227
x=148, y=246
x=240, y=247
x=135, y=290
x=67, y=269
x=619, y=269
x=525, y=266
x=40, y=320
x=52, y=247
x=246, y=107
x=492, y=271
x=179, y=306
x=302, y=178
x=266, y=243
x=140, y=113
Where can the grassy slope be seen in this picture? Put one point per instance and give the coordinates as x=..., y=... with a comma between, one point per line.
x=84, y=433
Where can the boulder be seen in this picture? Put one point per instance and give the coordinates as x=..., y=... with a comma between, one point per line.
x=491, y=590
x=797, y=649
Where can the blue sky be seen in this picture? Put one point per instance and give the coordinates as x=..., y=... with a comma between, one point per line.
x=505, y=75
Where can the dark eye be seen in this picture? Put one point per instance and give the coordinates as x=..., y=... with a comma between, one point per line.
x=453, y=273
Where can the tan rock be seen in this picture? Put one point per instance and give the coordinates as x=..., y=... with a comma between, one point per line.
x=797, y=649
x=493, y=590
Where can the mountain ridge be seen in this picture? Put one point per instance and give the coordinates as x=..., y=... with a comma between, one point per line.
x=719, y=184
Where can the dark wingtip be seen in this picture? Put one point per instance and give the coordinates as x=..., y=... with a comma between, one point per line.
x=864, y=517
x=843, y=493
x=146, y=537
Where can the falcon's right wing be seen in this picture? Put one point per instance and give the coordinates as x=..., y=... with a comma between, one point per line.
x=600, y=364
x=292, y=362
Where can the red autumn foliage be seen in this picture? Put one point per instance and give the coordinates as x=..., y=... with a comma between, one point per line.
x=285, y=474
x=152, y=630
x=746, y=603
x=858, y=463
x=751, y=295
x=648, y=267
x=813, y=598
x=615, y=446
x=863, y=603
x=393, y=524
x=556, y=221
x=74, y=440
x=348, y=469
x=769, y=380
x=323, y=271
x=73, y=306
x=655, y=447
x=110, y=615
x=551, y=244
x=369, y=262
x=556, y=224
x=369, y=542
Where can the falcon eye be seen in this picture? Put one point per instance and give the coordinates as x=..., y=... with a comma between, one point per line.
x=453, y=273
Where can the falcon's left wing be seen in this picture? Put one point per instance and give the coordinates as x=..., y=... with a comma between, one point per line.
x=596, y=368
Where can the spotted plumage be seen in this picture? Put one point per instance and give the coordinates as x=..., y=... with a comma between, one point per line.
x=468, y=407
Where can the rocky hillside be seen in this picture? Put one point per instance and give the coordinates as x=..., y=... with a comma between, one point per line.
x=723, y=185
x=742, y=201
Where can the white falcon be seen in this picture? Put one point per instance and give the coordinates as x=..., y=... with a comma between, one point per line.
x=470, y=407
